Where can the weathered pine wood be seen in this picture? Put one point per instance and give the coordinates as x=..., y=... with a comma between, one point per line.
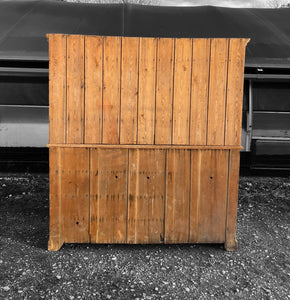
x=199, y=91
x=153, y=76
x=57, y=88
x=55, y=234
x=217, y=92
x=137, y=146
x=75, y=89
x=94, y=195
x=129, y=90
x=108, y=190
x=195, y=194
x=235, y=84
x=74, y=168
x=146, y=196
x=144, y=139
x=213, y=196
x=164, y=89
x=232, y=201
x=93, y=89
x=177, y=196
x=111, y=90
x=146, y=99
x=182, y=91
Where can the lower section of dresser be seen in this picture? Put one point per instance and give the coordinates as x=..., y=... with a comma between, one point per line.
x=143, y=196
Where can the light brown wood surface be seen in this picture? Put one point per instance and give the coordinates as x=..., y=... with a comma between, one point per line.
x=232, y=201
x=217, y=92
x=234, y=100
x=199, y=91
x=74, y=168
x=212, y=197
x=144, y=139
x=182, y=91
x=111, y=90
x=143, y=196
x=153, y=91
x=57, y=88
x=137, y=146
x=108, y=189
x=147, y=83
x=177, y=196
x=93, y=89
x=55, y=232
x=146, y=196
x=129, y=90
x=195, y=194
x=164, y=91
x=75, y=89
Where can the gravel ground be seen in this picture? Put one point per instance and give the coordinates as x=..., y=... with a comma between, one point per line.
x=260, y=269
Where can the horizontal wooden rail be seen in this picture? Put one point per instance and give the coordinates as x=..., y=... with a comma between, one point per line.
x=175, y=147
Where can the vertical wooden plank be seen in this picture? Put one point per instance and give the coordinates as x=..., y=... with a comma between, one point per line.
x=129, y=90
x=217, y=92
x=75, y=89
x=94, y=195
x=182, y=90
x=164, y=88
x=108, y=189
x=55, y=236
x=235, y=91
x=177, y=196
x=199, y=91
x=232, y=201
x=57, y=88
x=93, y=89
x=75, y=195
x=146, y=196
x=146, y=101
x=213, y=196
x=111, y=89
x=195, y=190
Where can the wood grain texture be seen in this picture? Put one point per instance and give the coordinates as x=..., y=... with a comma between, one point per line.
x=144, y=139
x=93, y=89
x=75, y=195
x=55, y=235
x=137, y=146
x=217, y=92
x=177, y=196
x=232, y=201
x=57, y=88
x=146, y=196
x=75, y=89
x=108, y=195
x=182, y=91
x=195, y=194
x=199, y=91
x=146, y=101
x=213, y=196
x=111, y=90
x=164, y=89
x=235, y=87
x=129, y=90
x=94, y=195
